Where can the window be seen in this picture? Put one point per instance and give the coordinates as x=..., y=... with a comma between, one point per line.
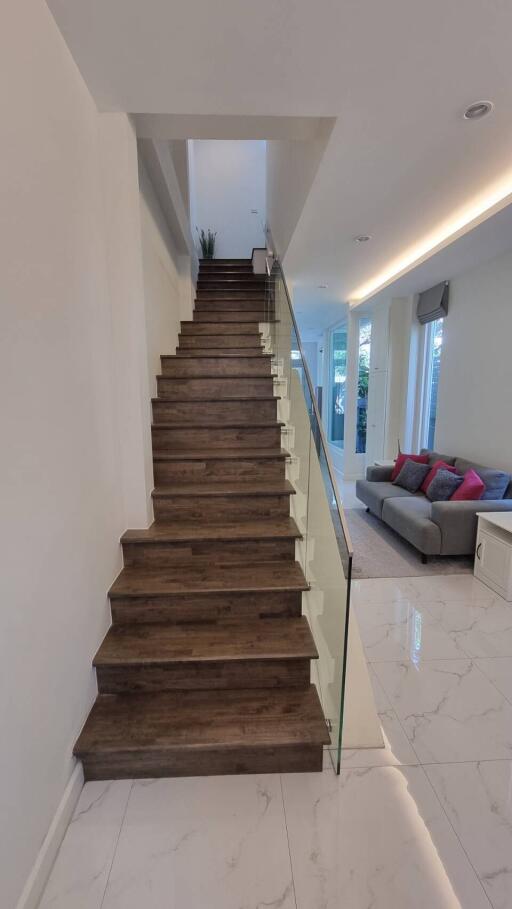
x=363, y=375
x=338, y=379
x=434, y=346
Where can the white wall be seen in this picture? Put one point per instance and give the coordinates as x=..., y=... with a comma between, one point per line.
x=474, y=416
x=75, y=459
x=227, y=181
x=166, y=282
x=291, y=169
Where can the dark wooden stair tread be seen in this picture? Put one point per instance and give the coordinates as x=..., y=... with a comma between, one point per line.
x=264, y=576
x=169, y=532
x=188, y=454
x=262, y=488
x=218, y=378
x=207, y=400
x=203, y=719
x=258, y=639
x=226, y=355
x=205, y=424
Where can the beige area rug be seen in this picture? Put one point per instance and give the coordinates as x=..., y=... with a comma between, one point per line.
x=380, y=553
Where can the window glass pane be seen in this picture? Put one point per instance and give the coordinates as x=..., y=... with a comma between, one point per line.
x=338, y=386
x=363, y=375
x=436, y=346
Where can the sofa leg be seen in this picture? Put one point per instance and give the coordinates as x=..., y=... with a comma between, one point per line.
x=367, y=509
x=424, y=559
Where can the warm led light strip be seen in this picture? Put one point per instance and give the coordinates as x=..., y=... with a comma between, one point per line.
x=488, y=205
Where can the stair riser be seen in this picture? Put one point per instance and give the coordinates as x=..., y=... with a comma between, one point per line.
x=240, y=317
x=193, y=412
x=250, y=300
x=204, y=762
x=196, y=329
x=221, y=508
x=221, y=470
x=204, y=676
x=181, y=367
x=226, y=289
x=223, y=387
x=205, y=608
x=220, y=352
x=226, y=305
x=226, y=342
x=194, y=437
x=223, y=552
x=225, y=269
x=257, y=314
x=240, y=282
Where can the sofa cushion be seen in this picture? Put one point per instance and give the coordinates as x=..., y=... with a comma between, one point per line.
x=411, y=519
x=411, y=475
x=402, y=458
x=434, y=456
x=444, y=485
x=496, y=481
x=458, y=521
x=375, y=494
x=379, y=474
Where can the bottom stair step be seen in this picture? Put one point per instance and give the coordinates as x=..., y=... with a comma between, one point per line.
x=203, y=733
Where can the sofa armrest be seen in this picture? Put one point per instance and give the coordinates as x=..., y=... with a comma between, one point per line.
x=378, y=474
x=458, y=522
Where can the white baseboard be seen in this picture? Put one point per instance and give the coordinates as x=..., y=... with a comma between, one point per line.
x=43, y=864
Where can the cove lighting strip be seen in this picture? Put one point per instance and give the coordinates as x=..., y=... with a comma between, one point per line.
x=468, y=219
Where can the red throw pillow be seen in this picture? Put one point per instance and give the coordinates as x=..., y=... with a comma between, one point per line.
x=402, y=458
x=439, y=465
x=471, y=489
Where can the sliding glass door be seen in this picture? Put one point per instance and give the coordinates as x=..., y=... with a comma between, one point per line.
x=363, y=378
x=338, y=381
x=434, y=346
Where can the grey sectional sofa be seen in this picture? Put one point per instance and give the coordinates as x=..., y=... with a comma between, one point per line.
x=434, y=528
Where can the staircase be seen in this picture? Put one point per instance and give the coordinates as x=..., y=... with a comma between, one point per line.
x=206, y=667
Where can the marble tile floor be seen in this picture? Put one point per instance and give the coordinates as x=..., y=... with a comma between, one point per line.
x=423, y=823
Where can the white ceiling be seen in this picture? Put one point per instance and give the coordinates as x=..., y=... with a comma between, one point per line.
x=398, y=74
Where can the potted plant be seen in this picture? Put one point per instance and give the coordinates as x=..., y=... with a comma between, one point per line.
x=207, y=243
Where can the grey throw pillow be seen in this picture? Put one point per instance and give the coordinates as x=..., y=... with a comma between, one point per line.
x=443, y=485
x=411, y=475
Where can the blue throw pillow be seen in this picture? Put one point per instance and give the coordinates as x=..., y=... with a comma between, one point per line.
x=444, y=485
x=496, y=482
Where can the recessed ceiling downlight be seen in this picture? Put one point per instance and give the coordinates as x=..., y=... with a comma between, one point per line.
x=478, y=110
x=362, y=238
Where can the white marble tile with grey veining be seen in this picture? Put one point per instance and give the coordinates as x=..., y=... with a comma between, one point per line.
x=499, y=671
x=477, y=798
x=216, y=842
x=402, y=631
x=80, y=873
x=371, y=591
x=375, y=838
x=448, y=710
x=451, y=588
x=481, y=629
x=397, y=749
